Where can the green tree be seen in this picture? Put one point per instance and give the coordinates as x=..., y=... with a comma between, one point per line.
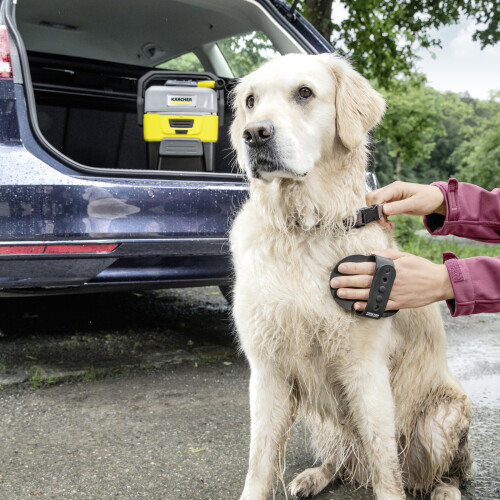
x=478, y=157
x=185, y=62
x=243, y=53
x=412, y=124
x=247, y=52
x=456, y=113
x=383, y=162
x=382, y=36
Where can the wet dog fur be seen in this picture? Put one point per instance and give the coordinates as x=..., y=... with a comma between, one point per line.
x=382, y=407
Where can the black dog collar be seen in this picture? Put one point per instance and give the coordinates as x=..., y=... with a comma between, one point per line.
x=368, y=214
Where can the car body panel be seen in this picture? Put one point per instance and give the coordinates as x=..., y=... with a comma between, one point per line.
x=170, y=231
x=173, y=231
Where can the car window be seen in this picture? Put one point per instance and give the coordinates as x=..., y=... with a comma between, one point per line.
x=185, y=62
x=150, y=32
x=247, y=52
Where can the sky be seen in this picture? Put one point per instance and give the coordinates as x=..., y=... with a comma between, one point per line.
x=460, y=65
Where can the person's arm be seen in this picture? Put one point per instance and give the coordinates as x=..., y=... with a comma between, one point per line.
x=418, y=282
x=471, y=212
x=469, y=286
x=475, y=282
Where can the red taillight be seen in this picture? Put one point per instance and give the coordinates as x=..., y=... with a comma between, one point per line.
x=30, y=249
x=90, y=248
x=5, y=62
x=21, y=249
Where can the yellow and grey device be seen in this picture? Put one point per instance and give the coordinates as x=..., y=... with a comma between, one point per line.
x=181, y=124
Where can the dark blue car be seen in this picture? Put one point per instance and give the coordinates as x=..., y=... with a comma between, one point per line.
x=86, y=202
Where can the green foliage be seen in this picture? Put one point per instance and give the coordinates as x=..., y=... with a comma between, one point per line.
x=36, y=380
x=243, y=53
x=432, y=248
x=406, y=227
x=382, y=37
x=247, y=52
x=383, y=163
x=455, y=114
x=426, y=135
x=413, y=122
x=437, y=135
x=478, y=158
x=92, y=375
x=487, y=16
x=186, y=62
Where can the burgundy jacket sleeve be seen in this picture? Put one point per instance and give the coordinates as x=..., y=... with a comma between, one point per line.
x=471, y=212
x=474, y=213
x=475, y=282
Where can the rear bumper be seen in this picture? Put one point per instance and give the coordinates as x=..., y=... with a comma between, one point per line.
x=132, y=265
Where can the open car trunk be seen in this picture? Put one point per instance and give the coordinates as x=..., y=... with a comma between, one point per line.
x=86, y=59
x=87, y=110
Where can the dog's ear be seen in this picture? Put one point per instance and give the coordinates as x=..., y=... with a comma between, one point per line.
x=359, y=106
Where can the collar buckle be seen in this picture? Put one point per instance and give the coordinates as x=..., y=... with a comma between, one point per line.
x=368, y=214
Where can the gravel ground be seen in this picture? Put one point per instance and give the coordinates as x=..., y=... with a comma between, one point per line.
x=136, y=396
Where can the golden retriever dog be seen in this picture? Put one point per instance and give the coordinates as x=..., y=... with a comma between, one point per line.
x=377, y=396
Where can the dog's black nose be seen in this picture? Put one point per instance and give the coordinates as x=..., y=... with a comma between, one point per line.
x=258, y=133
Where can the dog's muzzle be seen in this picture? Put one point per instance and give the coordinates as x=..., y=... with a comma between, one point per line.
x=259, y=140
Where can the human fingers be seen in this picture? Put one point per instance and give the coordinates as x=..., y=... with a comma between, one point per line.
x=357, y=268
x=353, y=293
x=355, y=281
x=396, y=198
x=390, y=253
x=408, y=206
x=425, y=201
x=360, y=306
x=408, y=198
x=395, y=191
x=386, y=224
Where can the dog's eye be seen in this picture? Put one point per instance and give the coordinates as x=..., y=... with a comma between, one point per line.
x=305, y=93
x=250, y=101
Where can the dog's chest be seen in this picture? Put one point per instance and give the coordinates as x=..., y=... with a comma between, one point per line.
x=283, y=304
x=281, y=266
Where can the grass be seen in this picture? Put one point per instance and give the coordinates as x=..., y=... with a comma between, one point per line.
x=36, y=380
x=430, y=249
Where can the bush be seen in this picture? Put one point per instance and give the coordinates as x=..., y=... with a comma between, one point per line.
x=432, y=249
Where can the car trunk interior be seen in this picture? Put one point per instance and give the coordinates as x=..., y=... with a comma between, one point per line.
x=87, y=110
x=86, y=59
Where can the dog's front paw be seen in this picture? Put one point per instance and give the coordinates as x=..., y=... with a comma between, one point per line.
x=309, y=483
x=446, y=492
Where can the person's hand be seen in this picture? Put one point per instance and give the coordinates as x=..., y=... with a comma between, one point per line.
x=418, y=282
x=408, y=198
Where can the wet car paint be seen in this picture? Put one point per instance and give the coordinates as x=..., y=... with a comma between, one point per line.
x=38, y=199
x=171, y=232
x=42, y=200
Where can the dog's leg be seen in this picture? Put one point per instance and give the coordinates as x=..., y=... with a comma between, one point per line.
x=271, y=415
x=448, y=491
x=365, y=377
x=441, y=448
x=312, y=481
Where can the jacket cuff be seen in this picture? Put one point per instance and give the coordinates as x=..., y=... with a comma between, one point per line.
x=464, y=301
x=436, y=224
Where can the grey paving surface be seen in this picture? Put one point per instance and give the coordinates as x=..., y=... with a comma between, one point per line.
x=139, y=422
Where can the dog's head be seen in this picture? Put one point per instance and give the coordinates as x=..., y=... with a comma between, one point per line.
x=289, y=112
